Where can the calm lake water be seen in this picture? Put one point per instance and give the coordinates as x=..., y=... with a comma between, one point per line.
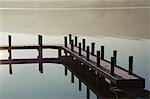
x=28, y=83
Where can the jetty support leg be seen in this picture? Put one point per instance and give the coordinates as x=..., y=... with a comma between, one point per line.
x=40, y=53
x=72, y=46
x=79, y=49
x=10, y=54
x=88, y=92
x=66, y=73
x=102, y=52
x=83, y=44
x=72, y=78
x=87, y=53
x=80, y=85
x=98, y=58
x=76, y=41
x=65, y=41
x=112, y=65
x=115, y=57
x=59, y=52
x=93, y=48
x=130, y=64
x=70, y=37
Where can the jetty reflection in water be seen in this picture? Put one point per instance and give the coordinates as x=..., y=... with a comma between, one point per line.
x=27, y=82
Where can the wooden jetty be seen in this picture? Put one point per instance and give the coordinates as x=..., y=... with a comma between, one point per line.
x=80, y=53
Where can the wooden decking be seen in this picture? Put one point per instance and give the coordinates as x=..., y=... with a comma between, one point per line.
x=106, y=66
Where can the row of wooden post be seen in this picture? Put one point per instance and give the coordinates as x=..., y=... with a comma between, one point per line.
x=99, y=54
x=40, y=53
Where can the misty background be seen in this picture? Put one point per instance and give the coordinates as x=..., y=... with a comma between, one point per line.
x=119, y=18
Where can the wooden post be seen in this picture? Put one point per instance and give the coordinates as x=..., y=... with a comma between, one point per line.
x=98, y=58
x=59, y=52
x=66, y=71
x=92, y=48
x=40, y=46
x=79, y=49
x=40, y=53
x=83, y=44
x=10, y=54
x=102, y=52
x=80, y=85
x=72, y=78
x=112, y=65
x=72, y=46
x=40, y=40
x=115, y=57
x=76, y=41
x=87, y=53
x=10, y=68
x=41, y=67
x=70, y=37
x=65, y=41
x=88, y=92
x=9, y=40
x=65, y=53
x=130, y=64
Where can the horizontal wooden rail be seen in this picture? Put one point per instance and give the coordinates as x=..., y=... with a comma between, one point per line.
x=29, y=61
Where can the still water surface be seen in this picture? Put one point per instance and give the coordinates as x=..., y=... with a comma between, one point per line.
x=27, y=82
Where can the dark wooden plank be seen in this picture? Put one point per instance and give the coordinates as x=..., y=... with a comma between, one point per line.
x=30, y=47
x=134, y=83
x=29, y=61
